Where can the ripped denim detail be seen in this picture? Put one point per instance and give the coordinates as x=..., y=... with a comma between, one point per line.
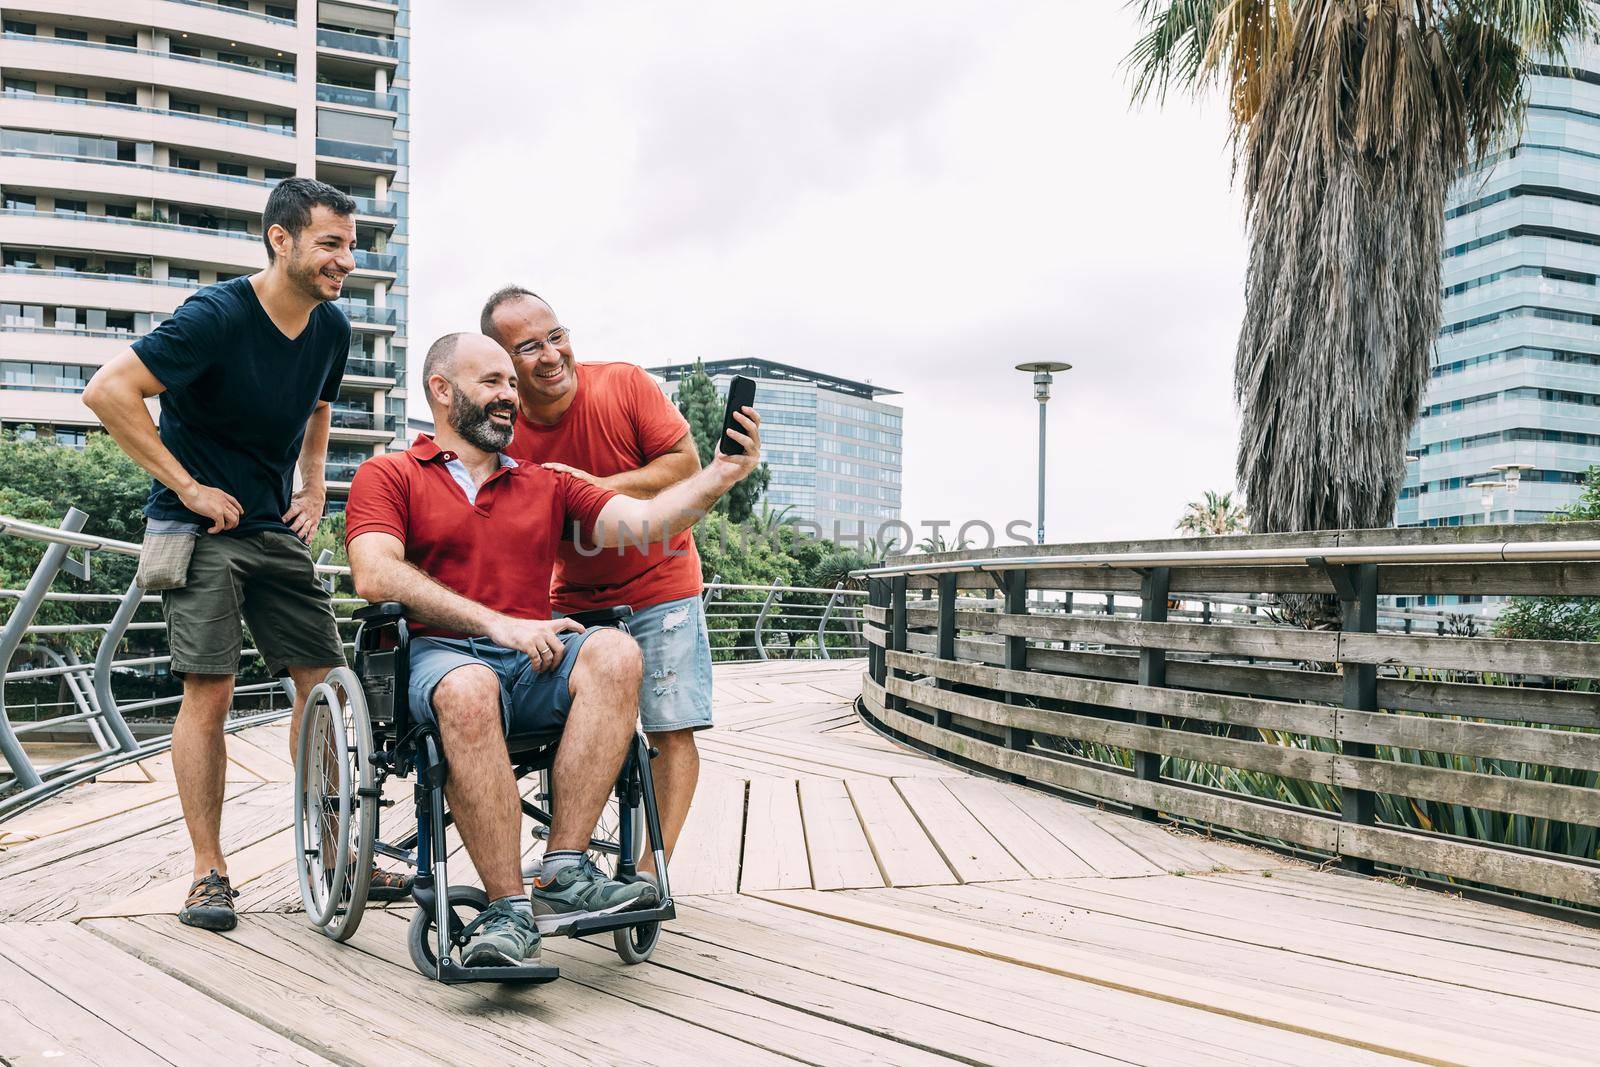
x=666, y=682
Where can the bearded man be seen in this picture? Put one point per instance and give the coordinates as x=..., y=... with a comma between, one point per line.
x=245, y=371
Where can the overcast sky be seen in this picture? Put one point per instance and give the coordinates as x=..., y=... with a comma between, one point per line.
x=922, y=194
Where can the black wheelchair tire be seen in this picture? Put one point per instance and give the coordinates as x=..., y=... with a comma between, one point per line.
x=636, y=943
x=421, y=938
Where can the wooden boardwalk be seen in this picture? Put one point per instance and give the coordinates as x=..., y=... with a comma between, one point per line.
x=842, y=901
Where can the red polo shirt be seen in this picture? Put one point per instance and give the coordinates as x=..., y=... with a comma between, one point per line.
x=619, y=421
x=498, y=550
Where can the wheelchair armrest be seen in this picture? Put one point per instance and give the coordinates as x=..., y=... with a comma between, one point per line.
x=602, y=616
x=378, y=614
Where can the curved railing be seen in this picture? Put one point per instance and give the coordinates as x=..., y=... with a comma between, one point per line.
x=745, y=622
x=1468, y=759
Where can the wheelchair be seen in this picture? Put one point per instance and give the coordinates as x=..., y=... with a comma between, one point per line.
x=357, y=731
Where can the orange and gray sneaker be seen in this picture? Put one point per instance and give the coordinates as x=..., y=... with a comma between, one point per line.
x=210, y=904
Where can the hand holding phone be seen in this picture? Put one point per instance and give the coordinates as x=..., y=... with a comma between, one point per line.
x=741, y=394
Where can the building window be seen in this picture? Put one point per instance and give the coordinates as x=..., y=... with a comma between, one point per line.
x=185, y=162
x=45, y=377
x=184, y=274
x=119, y=211
x=183, y=50
x=278, y=11
x=116, y=266
x=21, y=259
x=237, y=170
x=233, y=114
x=277, y=174
x=122, y=96
x=27, y=29
x=188, y=107
x=237, y=5
x=71, y=207
x=21, y=85
x=21, y=201
x=122, y=40
x=280, y=66
x=65, y=34
x=281, y=122
x=72, y=92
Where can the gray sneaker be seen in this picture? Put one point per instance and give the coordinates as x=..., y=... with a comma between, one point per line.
x=580, y=891
x=504, y=937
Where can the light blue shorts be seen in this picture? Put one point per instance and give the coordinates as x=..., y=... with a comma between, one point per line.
x=676, y=691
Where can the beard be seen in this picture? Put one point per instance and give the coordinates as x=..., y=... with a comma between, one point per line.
x=472, y=422
x=307, y=278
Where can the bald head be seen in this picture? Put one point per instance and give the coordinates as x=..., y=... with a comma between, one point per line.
x=509, y=294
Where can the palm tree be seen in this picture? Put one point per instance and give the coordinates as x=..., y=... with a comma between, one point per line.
x=1215, y=514
x=1350, y=120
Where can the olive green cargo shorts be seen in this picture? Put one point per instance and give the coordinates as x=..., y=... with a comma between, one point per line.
x=267, y=579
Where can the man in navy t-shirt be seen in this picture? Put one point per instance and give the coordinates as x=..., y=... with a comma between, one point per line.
x=245, y=371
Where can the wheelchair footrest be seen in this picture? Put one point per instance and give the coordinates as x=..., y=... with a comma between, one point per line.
x=527, y=974
x=599, y=924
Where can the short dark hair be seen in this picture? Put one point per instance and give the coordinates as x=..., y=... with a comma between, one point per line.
x=504, y=295
x=441, y=356
x=290, y=206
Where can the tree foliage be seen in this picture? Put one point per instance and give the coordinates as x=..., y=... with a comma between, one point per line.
x=700, y=404
x=1558, y=618
x=1350, y=120
x=1215, y=513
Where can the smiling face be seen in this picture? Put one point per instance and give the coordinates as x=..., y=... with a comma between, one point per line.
x=318, y=258
x=541, y=351
x=476, y=394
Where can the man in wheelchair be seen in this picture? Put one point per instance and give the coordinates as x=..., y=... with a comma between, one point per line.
x=466, y=539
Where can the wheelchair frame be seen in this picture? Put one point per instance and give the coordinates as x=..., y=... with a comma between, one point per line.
x=376, y=738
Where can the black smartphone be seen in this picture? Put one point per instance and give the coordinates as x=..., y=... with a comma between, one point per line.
x=741, y=394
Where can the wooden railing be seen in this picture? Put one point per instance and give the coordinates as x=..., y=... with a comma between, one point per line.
x=1471, y=759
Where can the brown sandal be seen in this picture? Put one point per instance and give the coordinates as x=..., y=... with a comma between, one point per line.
x=386, y=886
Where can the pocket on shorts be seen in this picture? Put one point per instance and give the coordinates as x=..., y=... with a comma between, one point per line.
x=164, y=559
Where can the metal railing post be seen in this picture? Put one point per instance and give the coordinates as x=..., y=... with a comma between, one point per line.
x=822, y=627
x=102, y=667
x=11, y=639
x=761, y=619
x=1153, y=590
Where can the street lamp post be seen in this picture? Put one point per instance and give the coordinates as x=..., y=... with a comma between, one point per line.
x=1042, y=376
x=1512, y=473
x=1488, y=487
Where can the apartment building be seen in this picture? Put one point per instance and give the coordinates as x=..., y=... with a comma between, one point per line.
x=832, y=445
x=139, y=140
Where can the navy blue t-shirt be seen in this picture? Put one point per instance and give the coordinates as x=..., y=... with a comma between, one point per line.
x=238, y=394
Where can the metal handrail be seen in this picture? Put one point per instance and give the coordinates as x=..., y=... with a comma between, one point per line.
x=1294, y=556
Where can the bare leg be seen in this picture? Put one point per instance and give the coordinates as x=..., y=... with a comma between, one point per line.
x=676, y=772
x=200, y=763
x=605, y=693
x=304, y=679
x=481, y=789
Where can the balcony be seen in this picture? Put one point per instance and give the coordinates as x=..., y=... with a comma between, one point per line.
x=383, y=209
x=367, y=367
x=135, y=109
x=96, y=276
x=377, y=261
x=343, y=94
x=377, y=316
x=364, y=153
x=174, y=227
x=339, y=472
x=253, y=68
x=214, y=6
x=362, y=419
x=387, y=47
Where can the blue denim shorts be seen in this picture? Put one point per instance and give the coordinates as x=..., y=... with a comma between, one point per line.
x=533, y=705
x=675, y=693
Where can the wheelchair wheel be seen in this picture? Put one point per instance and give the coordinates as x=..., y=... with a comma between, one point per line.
x=636, y=943
x=469, y=899
x=335, y=804
x=603, y=844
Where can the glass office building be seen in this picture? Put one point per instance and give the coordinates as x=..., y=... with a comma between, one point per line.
x=832, y=445
x=138, y=144
x=1516, y=371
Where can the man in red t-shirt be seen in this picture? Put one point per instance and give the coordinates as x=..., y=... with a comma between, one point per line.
x=466, y=537
x=610, y=425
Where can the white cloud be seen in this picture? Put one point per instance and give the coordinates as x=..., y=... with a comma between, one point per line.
x=923, y=194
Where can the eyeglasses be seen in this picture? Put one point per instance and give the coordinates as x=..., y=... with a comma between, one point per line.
x=534, y=348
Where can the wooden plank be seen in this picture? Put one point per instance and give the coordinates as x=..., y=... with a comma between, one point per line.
x=1268, y=757
x=1497, y=792
x=140, y=1001
x=706, y=859
x=1108, y=853
x=1265, y=641
x=1041, y=853
x=269, y=765
x=774, y=837
x=80, y=806
x=901, y=845
x=1540, y=875
x=1314, y=831
x=1571, y=659
x=1555, y=748
x=972, y=852
x=841, y=857
x=39, y=1024
x=1322, y=1018
x=247, y=863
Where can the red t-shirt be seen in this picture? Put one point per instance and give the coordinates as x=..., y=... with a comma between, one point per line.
x=619, y=421
x=499, y=550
